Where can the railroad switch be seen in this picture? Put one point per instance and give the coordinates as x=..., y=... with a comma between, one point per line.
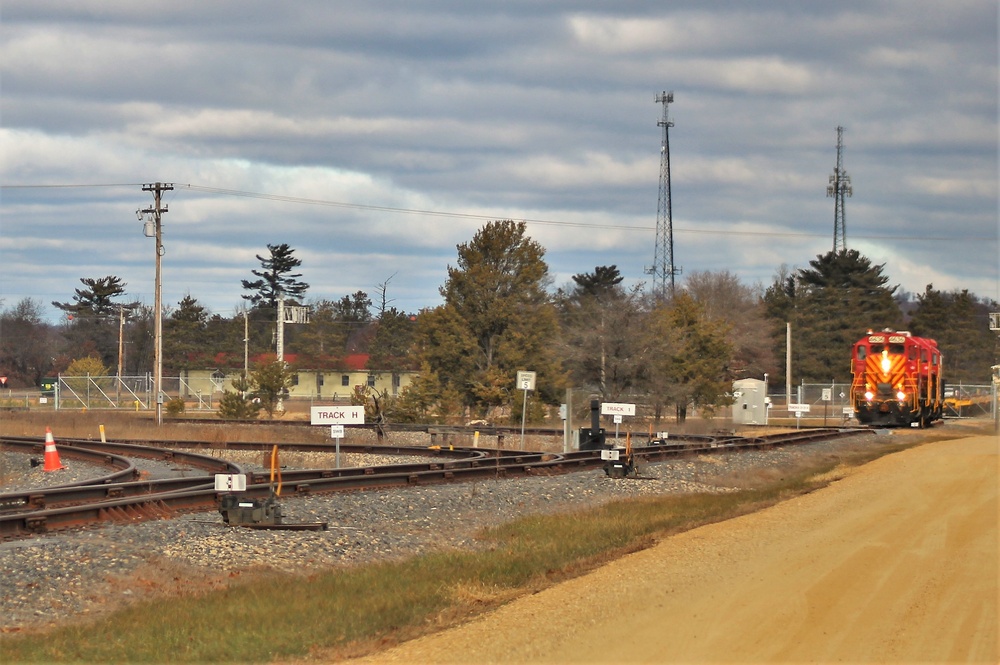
x=619, y=462
x=242, y=511
x=266, y=513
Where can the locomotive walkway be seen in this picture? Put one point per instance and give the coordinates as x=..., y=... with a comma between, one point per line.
x=896, y=562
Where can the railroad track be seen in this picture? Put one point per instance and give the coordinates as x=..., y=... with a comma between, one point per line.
x=112, y=498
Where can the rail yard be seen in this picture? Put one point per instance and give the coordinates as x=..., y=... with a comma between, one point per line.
x=383, y=502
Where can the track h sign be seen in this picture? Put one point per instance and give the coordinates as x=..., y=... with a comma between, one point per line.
x=337, y=415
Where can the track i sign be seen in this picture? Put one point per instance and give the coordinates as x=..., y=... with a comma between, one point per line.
x=616, y=409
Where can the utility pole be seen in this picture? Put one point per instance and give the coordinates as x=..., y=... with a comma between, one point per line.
x=839, y=187
x=246, y=348
x=157, y=232
x=663, y=254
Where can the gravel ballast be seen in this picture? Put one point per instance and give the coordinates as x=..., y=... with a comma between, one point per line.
x=53, y=578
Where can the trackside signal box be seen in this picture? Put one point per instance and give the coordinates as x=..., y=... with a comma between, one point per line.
x=593, y=437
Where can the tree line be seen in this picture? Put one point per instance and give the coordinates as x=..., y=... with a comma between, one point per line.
x=501, y=313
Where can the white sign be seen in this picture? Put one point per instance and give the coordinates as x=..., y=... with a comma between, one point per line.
x=337, y=415
x=296, y=314
x=525, y=380
x=618, y=419
x=827, y=394
x=230, y=482
x=848, y=410
x=610, y=455
x=613, y=409
x=336, y=431
x=799, y=408
x=562, y=411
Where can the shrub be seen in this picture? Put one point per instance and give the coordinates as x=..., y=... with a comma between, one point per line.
x=175, y=406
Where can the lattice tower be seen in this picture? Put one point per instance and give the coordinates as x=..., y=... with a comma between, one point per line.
x=663, y=254
x=839, y=188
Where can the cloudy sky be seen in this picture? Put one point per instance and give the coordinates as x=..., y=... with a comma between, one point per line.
x=373, y=137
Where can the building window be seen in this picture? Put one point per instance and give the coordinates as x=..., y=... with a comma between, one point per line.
x=371, y=380
x=295, y=379
x=345, y=380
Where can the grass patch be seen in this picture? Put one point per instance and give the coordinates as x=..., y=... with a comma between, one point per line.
x=349, y=612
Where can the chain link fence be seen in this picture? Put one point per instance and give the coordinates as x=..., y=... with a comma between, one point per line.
x=825, y=400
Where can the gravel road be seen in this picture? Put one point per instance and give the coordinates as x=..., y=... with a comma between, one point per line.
x=897, y=562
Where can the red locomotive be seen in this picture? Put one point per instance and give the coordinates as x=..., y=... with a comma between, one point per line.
x=897, y=379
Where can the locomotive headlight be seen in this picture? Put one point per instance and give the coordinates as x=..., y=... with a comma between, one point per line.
x=869, y=395
x=901, y=396
x=886, y=363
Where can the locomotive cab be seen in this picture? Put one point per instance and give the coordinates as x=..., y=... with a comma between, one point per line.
x=897, y=379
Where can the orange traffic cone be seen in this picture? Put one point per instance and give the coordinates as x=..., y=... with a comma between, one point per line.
x=52, y=462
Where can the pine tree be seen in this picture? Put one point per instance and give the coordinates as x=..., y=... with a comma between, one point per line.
x=959, y=322
x=184, y=343
x=830, y=306
x=497, y=319
x=275, y=279
x=93, y=318
x=600, y=322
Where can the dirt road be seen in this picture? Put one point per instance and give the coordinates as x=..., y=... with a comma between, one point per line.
x=896, y=562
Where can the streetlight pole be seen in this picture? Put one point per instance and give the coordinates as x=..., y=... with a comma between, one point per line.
x=157, y=232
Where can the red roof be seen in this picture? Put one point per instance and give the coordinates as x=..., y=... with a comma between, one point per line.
x=354, y=362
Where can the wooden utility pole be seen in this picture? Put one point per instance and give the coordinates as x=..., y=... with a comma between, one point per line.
x=156, y=211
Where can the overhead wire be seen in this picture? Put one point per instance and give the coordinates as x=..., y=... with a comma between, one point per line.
x=298, y=200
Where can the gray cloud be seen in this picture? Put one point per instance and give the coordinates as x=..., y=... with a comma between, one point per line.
x=537, y=111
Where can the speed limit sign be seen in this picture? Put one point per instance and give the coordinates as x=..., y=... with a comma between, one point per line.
x=526, y=380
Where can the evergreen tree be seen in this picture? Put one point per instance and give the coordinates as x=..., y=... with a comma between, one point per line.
x=335, y=329
x=93, y=318
x=602, y=280
x=391, y=347
x=959, y=322
x=98, y=300
x=271, y=381
x=275, y=279
x=830, y=306
x=240, y=403
x=497, y=319
x=184, y=340
x=600, y=341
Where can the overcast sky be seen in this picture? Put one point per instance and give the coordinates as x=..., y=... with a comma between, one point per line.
x=374, y=137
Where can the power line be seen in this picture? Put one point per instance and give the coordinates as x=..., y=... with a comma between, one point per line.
x=476, y=216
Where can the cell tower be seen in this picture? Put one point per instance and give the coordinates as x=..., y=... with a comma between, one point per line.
x=663, y=255
x=839, y=187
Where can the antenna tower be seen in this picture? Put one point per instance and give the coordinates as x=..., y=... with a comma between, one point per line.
x=839, y=187
x=663, y=254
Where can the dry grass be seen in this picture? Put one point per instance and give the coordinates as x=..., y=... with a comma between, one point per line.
x=141, y=426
